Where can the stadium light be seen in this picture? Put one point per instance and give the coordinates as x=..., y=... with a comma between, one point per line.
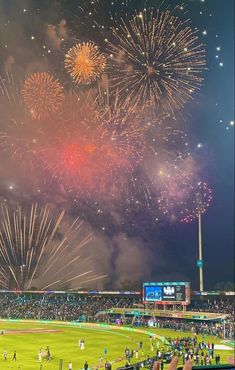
x=200, y=260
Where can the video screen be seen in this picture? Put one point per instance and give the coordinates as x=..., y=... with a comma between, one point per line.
x=153, y=293
x=165, y=292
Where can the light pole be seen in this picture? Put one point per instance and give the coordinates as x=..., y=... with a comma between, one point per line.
x=200, y=261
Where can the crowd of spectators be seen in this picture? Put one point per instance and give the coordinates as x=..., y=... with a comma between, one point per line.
x=198, y=327
x=92, y=308
x=224, y=306
x=213, y=305
x=63, y=307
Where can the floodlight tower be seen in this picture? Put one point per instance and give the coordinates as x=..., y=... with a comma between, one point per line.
x=200, y=260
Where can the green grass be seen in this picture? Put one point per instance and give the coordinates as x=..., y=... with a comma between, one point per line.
x=64, y=344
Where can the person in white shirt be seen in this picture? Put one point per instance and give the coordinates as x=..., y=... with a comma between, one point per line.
x=70, y=366
x=40, y=356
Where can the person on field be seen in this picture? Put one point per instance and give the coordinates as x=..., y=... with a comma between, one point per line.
x=40, y=355
x=14, y=356
x=70, y=367
x=48, y=355
x=86, y=366
x=5, y=354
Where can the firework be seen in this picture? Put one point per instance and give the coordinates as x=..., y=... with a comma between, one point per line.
x=91, y=146
x=88, y=147
x=42, y=94
x=10, y=91
x=33, y=249
x=201, y=200
x=97, y=149
x=85, y=63
x=155, y=59
x=168, y=141
x=18, y=137
x=182, y=195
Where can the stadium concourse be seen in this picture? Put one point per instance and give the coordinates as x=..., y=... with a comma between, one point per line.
x=211, y=314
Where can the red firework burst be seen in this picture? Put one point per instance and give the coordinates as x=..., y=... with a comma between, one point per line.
x=89, y=148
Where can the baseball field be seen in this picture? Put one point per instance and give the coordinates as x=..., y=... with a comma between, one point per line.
x=28, y=337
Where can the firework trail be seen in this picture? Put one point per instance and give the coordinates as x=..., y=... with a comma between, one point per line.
x=32, y=248
x=156, y=59
x=10, y=90
x=42, y=94
x=85, y=63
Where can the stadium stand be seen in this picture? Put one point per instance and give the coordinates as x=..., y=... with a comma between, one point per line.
x=94, y=308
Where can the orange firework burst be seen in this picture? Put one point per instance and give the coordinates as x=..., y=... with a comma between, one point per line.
x=85, y=62
x=42, y=94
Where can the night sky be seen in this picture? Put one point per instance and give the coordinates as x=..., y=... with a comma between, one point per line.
x=135, y=244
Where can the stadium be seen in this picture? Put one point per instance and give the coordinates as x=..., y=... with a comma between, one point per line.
x=117, y=185
x=116, y=327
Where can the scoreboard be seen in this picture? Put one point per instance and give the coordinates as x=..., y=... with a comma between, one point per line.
x=167, y=292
